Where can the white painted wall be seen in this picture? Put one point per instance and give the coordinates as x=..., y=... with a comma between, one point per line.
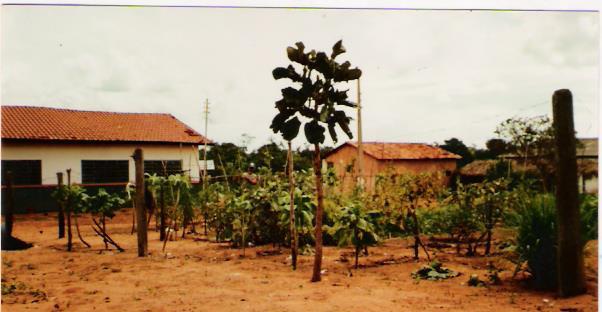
x=59, y=157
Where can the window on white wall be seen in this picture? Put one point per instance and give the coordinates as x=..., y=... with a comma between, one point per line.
x=161, y=167
x=105, y=171
x=24, y=172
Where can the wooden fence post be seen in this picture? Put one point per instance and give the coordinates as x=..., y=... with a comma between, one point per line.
x=571, y=279
x=140, y=205
x=61, y=213
x=68, y=208
x=10, y=205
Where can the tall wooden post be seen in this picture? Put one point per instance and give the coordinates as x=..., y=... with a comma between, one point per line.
x=68, y=209
x=571, y=280
x=360, y=148
x=61, y=214
x=8, y=211
x=140, y=205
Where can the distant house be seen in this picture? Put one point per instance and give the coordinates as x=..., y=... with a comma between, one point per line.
x=38, y=142
x=402, y=158
x=587, y=166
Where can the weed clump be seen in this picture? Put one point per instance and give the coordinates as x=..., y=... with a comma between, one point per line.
x=434, y=272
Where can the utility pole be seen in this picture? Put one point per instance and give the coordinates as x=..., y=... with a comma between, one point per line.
x=360, y=149
x=206, y=111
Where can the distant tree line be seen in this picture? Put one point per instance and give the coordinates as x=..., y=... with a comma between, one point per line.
x=271, y=155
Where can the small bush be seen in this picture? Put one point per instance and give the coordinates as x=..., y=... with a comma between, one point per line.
x=434, y=272
x=537, y=239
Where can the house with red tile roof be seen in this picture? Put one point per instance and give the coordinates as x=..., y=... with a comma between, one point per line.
x=401, y=158
x=38, y=142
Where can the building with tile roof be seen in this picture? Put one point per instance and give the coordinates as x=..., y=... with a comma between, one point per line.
x=38, y=142
x=402, y=158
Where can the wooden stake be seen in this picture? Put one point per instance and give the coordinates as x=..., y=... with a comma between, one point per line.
x=140, y=205
x=61, y=214
x=571, y=278
x=68, y=208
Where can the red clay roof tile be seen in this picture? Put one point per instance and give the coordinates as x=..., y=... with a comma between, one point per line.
x=45, y=123
x=393, y=151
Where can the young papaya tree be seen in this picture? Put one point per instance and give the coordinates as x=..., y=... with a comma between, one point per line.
x=105, y=205
x=317, y=100
x=355, y=226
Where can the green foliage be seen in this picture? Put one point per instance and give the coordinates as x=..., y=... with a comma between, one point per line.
x=72, y=197
x=355, y=226
x=589, y=217
x=536, y=242
x=271, y=156
x=317, y=98
x=105, y=204
x=458, y=147
x=434, y=272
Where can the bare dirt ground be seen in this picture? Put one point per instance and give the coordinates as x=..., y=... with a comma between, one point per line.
x=197, y=275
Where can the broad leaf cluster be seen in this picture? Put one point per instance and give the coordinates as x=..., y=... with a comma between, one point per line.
x=316, y=96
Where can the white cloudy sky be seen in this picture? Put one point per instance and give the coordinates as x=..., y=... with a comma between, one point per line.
x=427, y=75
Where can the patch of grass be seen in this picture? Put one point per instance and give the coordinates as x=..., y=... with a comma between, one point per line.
x=20, y=288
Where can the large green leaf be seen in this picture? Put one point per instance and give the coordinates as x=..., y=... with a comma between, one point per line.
x=297, y=55
x=332, y=131
x=290, y=129
x=344, y=73
x=337, y=49
x=314, y=132
x=341, y=118
x=289, y=72
x=278, y=121
x=323, y=65
x=293, y=97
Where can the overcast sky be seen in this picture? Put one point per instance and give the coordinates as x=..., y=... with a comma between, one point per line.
x=427, y=75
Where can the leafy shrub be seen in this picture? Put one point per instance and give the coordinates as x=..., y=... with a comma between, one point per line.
x=353, y=225
x=434, y=272
x=536, y=241
x=537, y=236
x=589, y=217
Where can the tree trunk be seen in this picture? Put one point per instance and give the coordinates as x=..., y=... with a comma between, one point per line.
x=293, y=228
x=104, y=230
x=319, y=212
x=488, y=244
x=417, y=240
x=61, y=214
x=140, y=205
x=571, y=279
x=357, y=248
x=79, y=234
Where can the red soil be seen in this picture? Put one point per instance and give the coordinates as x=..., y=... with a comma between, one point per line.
x=196, y=275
